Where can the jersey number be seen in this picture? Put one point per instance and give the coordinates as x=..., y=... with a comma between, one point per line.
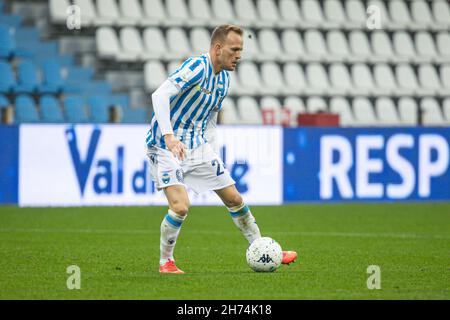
x=219, y=171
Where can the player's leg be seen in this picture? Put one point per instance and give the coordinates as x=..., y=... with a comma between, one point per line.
x=240, y=212
x=178, y=200
x=244, y=220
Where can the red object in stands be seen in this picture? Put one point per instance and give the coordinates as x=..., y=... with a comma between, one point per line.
x=268, y=116
x=318, y=119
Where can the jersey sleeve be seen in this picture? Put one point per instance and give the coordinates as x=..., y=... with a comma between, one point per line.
x=189, y=74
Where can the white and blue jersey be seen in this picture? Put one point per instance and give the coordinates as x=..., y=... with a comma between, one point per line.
x=201, y=92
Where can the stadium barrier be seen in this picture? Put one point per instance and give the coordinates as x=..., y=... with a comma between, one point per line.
x=77, y=165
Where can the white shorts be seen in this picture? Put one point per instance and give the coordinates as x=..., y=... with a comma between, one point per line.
x=201, y=170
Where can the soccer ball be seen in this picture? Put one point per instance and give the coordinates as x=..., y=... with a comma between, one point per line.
x=264, y=255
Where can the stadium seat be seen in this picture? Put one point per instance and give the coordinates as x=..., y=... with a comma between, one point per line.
x=431, y=112
x=7, y=80
x=223, y=12
x=27, y=77
x=271, y=110
x=362, y=79
x=26, y=109
x=446, y=109
x=364, y=112
x=88, y=14
x=75, y=110
x=249, y=78
x=246, y=13
x=400, y=17
x=200, y=40
x=386, y=112
x=201, y=12
x=178, y=43
x=155, y=44
x=251, y=46
x=52, y=81
x=294, y=79
x=229, y=113
x=270, y=45
x=406, y=78
x=98, y=108
x=131, y=44
x=443, y=45
x=312, y=14
x=315, y=44
x=131, y=11
x=385, y=80
x=107, y=43
x=248, y=110
x=356, y=14
x=51, y=112
x=317, y=78
x=403, y=45
x=421, y=14
x=338, y=46
x=8, y=47
x=177, y=14
x=119, y=99
x=445, y=76
x=154, y=75
x=272, y=78
x=57, y=9
x=4, y=102
x=360, y=46
x=235, y=87
x=429, y=79
x=154, y=13
x=340, y=78
x=289, y=14
x=381, y=45
x=425, y=46
x=134, y=115
x=341, y=106
x=408, y=111
x=267, y=13
x=295, y=106
x=292, y=45
x=108, y=14
x=316, y=105
x=334, y=13
x=441, y=13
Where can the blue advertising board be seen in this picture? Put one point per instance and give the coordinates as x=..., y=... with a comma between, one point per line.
x=9, y=155
x=366, y=164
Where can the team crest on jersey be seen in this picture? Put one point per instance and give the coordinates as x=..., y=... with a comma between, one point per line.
x=179, y=176
x=165, y=177
x=201, y=89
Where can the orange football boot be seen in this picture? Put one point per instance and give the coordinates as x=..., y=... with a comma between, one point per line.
x=170, y=267
x=289, y=257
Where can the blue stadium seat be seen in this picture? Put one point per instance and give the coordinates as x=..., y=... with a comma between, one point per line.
x=26, y=109
x=4, y=102
x=27, y=77
x=120, y=99
x=99, y=108
x=134, y=115
x=8, y=47
x=12, y=20
x=77, y=78
x=7, y=80
x=75, y=110
x=50, y=109
x=52, y=81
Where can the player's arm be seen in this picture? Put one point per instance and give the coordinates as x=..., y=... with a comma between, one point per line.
x=161, y=107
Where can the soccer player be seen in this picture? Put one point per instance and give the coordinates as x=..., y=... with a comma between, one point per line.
x=185, y=106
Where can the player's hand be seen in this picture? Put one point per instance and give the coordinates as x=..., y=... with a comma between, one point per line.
x=175, y=146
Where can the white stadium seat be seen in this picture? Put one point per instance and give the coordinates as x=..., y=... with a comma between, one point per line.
x=316, y=104
x=403, y=45
x=267, y=12
x=312, y=14
x=381, y=45
x=431, y=112
x=441, y=13
x=294, y=78
x=385, y=79
x=400, y=17
x=443, y=44
x=272, y=106
x=201, y=12
x=131, y=10
x=364, y=112
x=292, y=44
x=248, y=110
x=107, y=43
x=360, y=46
x=223, y=12
x=429, y=79
x=356, y=13
x=154, y=13
x=200, y=40
x=154, y=75
x=249, y=78
x=88, y=13
x=406, y=78
x=386, y=112
x=341, y=106
x=295, y=106
x=270, y=45
x=272, y=78
x=251, y=48
x=229, y=114
x=290, y=13
x=178, y=43
x=108, y=14
x=425, y=46
x=131, y=44
x=340, y=78
x=408, y=111
x=445, y=76
x=57, y=10
x=315, y=44
x=235, y=87
x=338, y=46
x=155, y=43
x=362, y=79
x=334, y=13
x=246, y=12
x=317, y=78
x=421, y=14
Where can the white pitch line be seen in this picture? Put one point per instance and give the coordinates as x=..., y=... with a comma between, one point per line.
x=281, y=233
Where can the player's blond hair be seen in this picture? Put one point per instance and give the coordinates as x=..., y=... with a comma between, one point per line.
x=220, y=33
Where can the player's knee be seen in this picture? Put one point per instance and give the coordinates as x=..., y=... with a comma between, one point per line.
x=234, y=201
x=180, y=207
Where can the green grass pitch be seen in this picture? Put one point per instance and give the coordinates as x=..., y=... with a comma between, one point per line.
x=117, y=250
